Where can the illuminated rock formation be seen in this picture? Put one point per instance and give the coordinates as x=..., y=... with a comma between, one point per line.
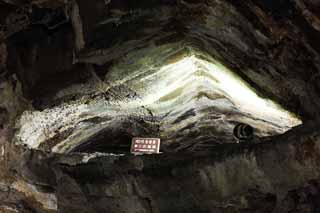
x=79, y=79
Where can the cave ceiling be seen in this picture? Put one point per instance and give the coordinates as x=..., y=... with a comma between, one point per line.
x=69, y=52
x=79, y=79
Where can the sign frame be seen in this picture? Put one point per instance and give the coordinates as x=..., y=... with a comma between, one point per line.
x=141, y=145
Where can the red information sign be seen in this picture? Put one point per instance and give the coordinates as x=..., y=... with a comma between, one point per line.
x=145, y=145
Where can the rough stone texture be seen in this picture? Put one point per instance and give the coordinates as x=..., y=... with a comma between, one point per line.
x=276, y=176
x=56, y=54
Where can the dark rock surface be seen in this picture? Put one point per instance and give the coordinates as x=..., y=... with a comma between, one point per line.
x=79, y=79
x=275, y=176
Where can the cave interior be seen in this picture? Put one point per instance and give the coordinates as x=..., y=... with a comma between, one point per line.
x=79, y=79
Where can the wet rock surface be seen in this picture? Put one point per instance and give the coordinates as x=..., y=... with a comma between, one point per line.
x=79, y=79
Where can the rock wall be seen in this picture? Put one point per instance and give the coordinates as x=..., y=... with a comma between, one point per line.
x=276, y=176
x=55, y=53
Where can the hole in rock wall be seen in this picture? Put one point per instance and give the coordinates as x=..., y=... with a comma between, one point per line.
x=189, y=103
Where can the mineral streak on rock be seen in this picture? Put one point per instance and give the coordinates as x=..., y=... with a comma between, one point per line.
x=191, y=92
